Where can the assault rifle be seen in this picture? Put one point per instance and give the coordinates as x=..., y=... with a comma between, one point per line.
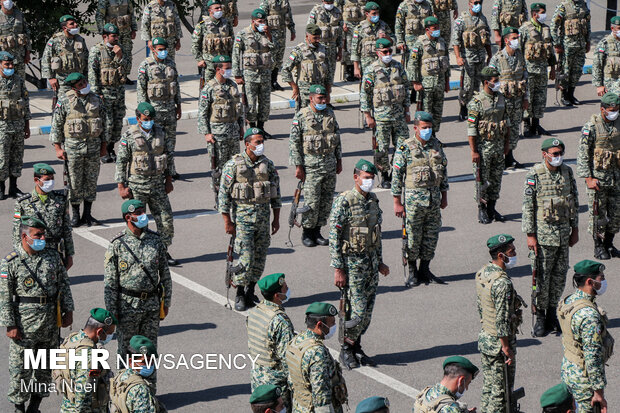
x=560, y=76
x=295, y=210
x=201, y=73
x=344, y=312
x=512, y=396
x=597, y=408
x=534, y=300
x=597, y=225
x=230, y=269
x=216, y=174
x=480, y=186
x=405, y=254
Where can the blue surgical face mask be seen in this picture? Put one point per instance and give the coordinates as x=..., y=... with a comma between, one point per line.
x=147, y=371
x=320, y=106
x=435, y=33
x=261, y=27
x=147, y=124
x=37, y=244
x=162, y=54
x=476, y=8
x=107, y=339
x=374, y=19
x=426, y=134
x=8, y=72
x=143, y=221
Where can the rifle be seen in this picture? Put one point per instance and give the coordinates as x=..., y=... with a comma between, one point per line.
x=404, y=250
x=230, y=269
x=244, y=100
x=480, y=187
x=420, y=97
x=54, y=100
x=343, y=313
x=597, y=408
x=534, y=300
x=201, y=73
x=216, y=174
x=512, y=396
x=560, y=75
x=596, y=220
x=66, y=176
x=375, y=150
x=295, y=210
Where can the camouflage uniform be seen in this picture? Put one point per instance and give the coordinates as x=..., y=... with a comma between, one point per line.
x=14, y=113
x=315, y=145
x=229, y=7
x=143, y=162
x=15, y=38
x=409, y=24
x=332, y=33
x=162, y=21
x=40, y=276
x=120, y=13
x=442, y=10
x=606, y=64
x=439, y=399
x=212, y=37
x=363, y=43
x=129, y=293
x=312, y=66
x=62, y=56
x=385, y=94
x=78, y=125
x=508, y=13
x=279, y=18
x=250, y=213
x=352, y=15
x=140, y=396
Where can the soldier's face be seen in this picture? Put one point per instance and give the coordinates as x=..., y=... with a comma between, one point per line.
x=511, y=36
x=7, y=64
x=34, y=233
x=39, y=181
x=370, y=14
x=384, y=52
x=421, y=125
x=71, y=24
x=318, y=99
x=472, y=3
x=605, y=111
x=258, y=22
x=111, y=38
x=225, y=67
x=432, y=28
x=80, y=85
x=133, y=216
x=363, y=175
x=255, y=141
x=214, y=8
x=159, y=48
x=313, y=39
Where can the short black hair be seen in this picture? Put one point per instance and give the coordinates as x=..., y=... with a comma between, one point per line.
x=566, y=405
x=267, y=295
x=93, y=324
x=312, y=320
x=502, y=248
x=579, y=280
x=262, y=407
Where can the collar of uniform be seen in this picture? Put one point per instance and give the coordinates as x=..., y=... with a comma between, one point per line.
x=582, y=294
x=358, y=193
x=271, y=304
x=214, y=20
x=146, y=133
x=42, y=197
x=492, y=96
x=496, y=267
x=22, y=252
x=536, y=24
x=423, y=145
x=35, y=195
x=249, y=161
x=444, y=390
x=129, y=232
x=312, y=334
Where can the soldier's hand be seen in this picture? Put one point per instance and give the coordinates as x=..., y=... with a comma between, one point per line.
x=339, y=55
x=455, y=15
x=417, y=86
x=574, y=237
x=69, y=262
x=27, y=130
x=340, y=278
x=370, y=121
x=293, y=37
x=60, y=154
x=460, y=61
x=166, y=309
x=202, y=63
x=401, y=47
x=447, y=87
x=125, y=192
x=27, y=57
x=169, y=186
x=229, y=227
x=179, y=113
x=235, y=21
x=552, y=73
x=356, y=72
x=300, y=173
x=209, y=138
x=13, y=333
x=532, y=243
x=338, y=166
x=510, y=355
x=601, y=90
x=407, y=117
x=295, y=92
x=475, y=157
x=53, y=84
x=239, y=80
x=384, y=269
x=559, y=49
x=345, y=27
x=592, y=183
x=472, y=410
x=177, y=47
x=444, y=200
x=275, y=226
x=67, y=319
x=117, y=50
x=598, y=397
x=526, y=104
x=133, y=35
x=399, y=209
x=103, y=151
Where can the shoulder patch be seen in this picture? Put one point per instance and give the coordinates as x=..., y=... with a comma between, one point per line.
x=295, y=122
x=11, y=256
x=471, y=118
x=528, y=191
x=586, y=132
x=117, y=236
x=238, y=39
x=531, y=181
x=123, y=142
x=24, y=197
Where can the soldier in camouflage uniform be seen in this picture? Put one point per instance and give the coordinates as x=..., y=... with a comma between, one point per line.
x=316, y=152
x=107, y=72
x=15, y=36
x=471, y=42
x=441, y=10
x=384, y=100
x=500, y=315
x=14, y=125
x=311, y=64
x=119, y=13
x=330, y=21
x=212, y=36
x=269, y=332
x=252, y=62
x=557, y=399
x=550, y=220
x=365, y=37
x=33, y=284
x=489, y=139
x=144, y=169
x=458, y=373
x=513, y=79
x=51, y=207
x=570, y=29
x=606, y=64
x=316, y=378
x=137, y=283
x=279, y=18
x=420, y=167
x=78, y=137
x=64, y=53
x=160, y=18
x=507, y=13
x=267, y=398
x=229, y=9
x=598, y=161
x=353, y=15
x=409, y=25
x=357, y=258
x=586, y=341
x=249, y=188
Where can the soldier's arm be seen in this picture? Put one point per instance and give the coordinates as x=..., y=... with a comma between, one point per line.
x=67, y=231
x=526, y=95
x=177, y=22
x=588, y=26
x=413, y=66
x=399, y=169
x=164, y=275
x=111, y=280
x=355, y=46
x=497, y=9
x=337, y=221
x=528, y=219
x=282, y=333
x=590, y=332
x=457, y=35
x=473, y=112
x=288, y=66
x=142, y=82
x=319, y=376
x=140, y=399
x=366, y=91
x=204, y=111
x=598, y=64
x=235, y=10
x=407, y=85
x=123, y=157
x=94, y=71
x=501, y=292
x=295, y=142
x=57, y=132
x=379, y=250
x=574, y=220
x=86, y=51
x=105, y=136
x=46, y=64
x=197, y=42
x=585, y=151
x=224, y=196
x=274, y=178
x=312, y=16
x=341, y=34
x=145, y=29
x=64, y=288
x=237, y=64
x=557, y=25
x=7, y=289
x=26, y=31
x=102, y=7
x=171, y=169
x=289, y=20
x=339, y=142
x=399, y=24
x=82, y=376
x=16, y=224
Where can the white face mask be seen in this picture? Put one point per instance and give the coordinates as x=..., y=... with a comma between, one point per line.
x=227, y=74
x=514, y=44
x=386, y=59
x=542, y=17
x=74, y=31
x=85, y=90
x=556, y=160
x=288, y=296
x=47, y=186
x=259, y=150
x=458, y=394
x=328, y=6
x=218, y=14
x=612, y=115
x=110, y=45
x=367, y=185
x=601, y=291
x=617, y=34
x=332, y=331
x=496, y=87
x=8, y=4
x=512, y=261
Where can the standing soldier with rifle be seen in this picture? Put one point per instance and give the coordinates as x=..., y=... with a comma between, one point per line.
x=606, y=64
x=229, y=9
x=15, y=36
x=329, y=19
x=365, y=38
x=353, y=15
x=160, y=18
x=507, y=13
x=441, y=10
x=279, y=18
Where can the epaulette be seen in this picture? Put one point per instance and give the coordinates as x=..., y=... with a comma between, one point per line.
x=11, y=256
x=23, y=197
x=117, y=236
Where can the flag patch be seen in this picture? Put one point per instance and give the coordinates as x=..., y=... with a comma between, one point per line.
x=397, y=166
x=124, y=142
x=17, y=215
x=369, y=81
x=238, y=39
x=531, y=181
x=291, y=56
x=229, y=177
x=586, y=132
x=601, y=50
x=142, y=71
x=58, y=104
x=295, y=122
x=203, y=96
x=471, y=118
x=338, y=226
x=3, y=274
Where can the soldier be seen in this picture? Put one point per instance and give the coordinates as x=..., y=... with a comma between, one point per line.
x=598, y=163
x=251, y=65
x=606, y=65
x=489, y=139
x=550, y=220
x=374, y=404
x=85, y=388
x=420, y=166
x=51, y=207
x=585, y=338
x=35, y=300
x=15, y=36
x=120, y=14
x=513, y=79
x=471, y=36
x=14, y=125
x=409, y=24
x=160, y=19
x=365, y=37
x=316, y=378
x=458, y=373
x=429, y=70
x=267, y=398
x=384, y=100
x=311, y=63
x=353, y=15
x=441, y=9
x=500, y=316
x=138, y=287
x=329, y=19
x=212, y=36
x=229, y=9
x=144, y=170
x=557, y=399
x=316, y=152
x=570, y=29
x=78, y=138
x=279, y=18
x=507, y=13
x=357, y=258
x=537, y=47
x=107, y=72
x=269, y=332
x=250, y=186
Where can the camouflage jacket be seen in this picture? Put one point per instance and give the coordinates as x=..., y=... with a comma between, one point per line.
x=59, y=117
x=53, y=50
x=585, y=154
x=205, y=106
x=387, y=113
x=560, y=38
x=16, y=25
x=7, y=84
x=154, y=9
x=229, y=7
x=207, y=26
x=609, y=43
x=519, y=5
x=294, y=62
x=365, y=29
x=406, y=8
x=144, y=76
x=101, y=17
x=471, y=55
x=242, y=40
x=94, y=71
x=140, y=397
x=439, y=390
x=300, y=128
x=538, y=67
x=288, y=15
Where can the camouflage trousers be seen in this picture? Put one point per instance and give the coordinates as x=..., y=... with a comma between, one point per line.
x=304, y=98
x=363, y=279
x=126, y=44
x=226, y=145
x=209, y=71
x=265, y=375
x=579, y=385
x=133, y=322
x=114, y=106
x=551, y=275
x=514, y=110
x=445, y=24
x=346, y=50
x=153, y=193
x=537, y=84
x=259, y=101
x=21, y=376
x=574, y=59
x=332, y=53
x=491, y=171
x=167, y=119
x=84, y=164
x=20, y=67
x=251, y=243
x=278, y=38
x=471, y=81
x=318, y=195
x=11, y=149
x=432, y=100
x=396, y=132
x=493, y=399
x=612, y=85
x=608, y=208
x=423, y=225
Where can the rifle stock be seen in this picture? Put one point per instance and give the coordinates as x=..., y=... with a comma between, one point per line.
x=231, y=269
x=534, y=298
x=295, y=211
x=343, y=310
x=404, y=253
x=596, y=224
x=512, y=396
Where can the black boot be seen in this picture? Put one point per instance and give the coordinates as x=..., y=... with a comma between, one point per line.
x=539, y=327
x=318, y=238
x=75, y=217
x=483, y=215
x=111, y=153
x=2, y=193
x=240, y=299
x=171, y=261
x=274, y=80
x=307, y=237
x=385, y=180
x=540, y=130
x=350, y=77
x=20, y=408
x=347, y=357
x=609, y=245
x=14, y=191
x=130, y=82
x=35, y=402
x=87, y=217
x=600, y=252
x=250, y=298
x=261, y=125
x=565, y=98
x=364, y=359
x=508, y=160
x=572, y=97
x=553, y=322
x=463, y=113
x=493, y=214
x=428, y=276
x=527, y=128
x=414, y=276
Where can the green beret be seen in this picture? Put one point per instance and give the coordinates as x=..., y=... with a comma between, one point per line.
x=371, y=5
x=103, y=316
x=489, y=71
x=67, y=17
x=552, y=142
x=131, y=205
x=73, y=78
x=43, y=169
x=258, y=14
x=366, y=166
x=383, y=43
x=610, y=99
x=271, y=283
x=463, y=362
x=538, y=6
x=589, y=267
x=499, y=240
x=265, y=393
x=212, y=2
x=555, y=396
x=318, y=90
x=321, y=309
x=146, y=108
x=508, y=30
x=142, y=345
x=253, y=131
x=313, y=29
x=615, y=20
x=430, y=20
x=33, y=222
x=4, y=56
x=423, y=116
x=110, y=28
x=159, y=41
x=372, y=404
x=221, y=59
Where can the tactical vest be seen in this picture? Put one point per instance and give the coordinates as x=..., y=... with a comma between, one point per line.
x=353, y=11
x=12, y=34
x=277, y=13
x=511, y=13
x=119, y=391
x=416, y=13
x=555, y=203
x=83, y=122
x=118, y=14
x=162, y=20
x=161, y=85
x=611, y=70
x=491, y=123
x=216, y=39
x=148, y=157
x=443, y=5
x=313, y=68
x=112, y=73
x=363, y=233
x=252, y=185
x=257, y=54
x=424, y=172
x=71, y=57
x=319, y=138
x=513, y=84
x=421, y=405
x=329, y=22
x=475, y=34
x=388, y=89
x=12, y=106
x=606, y=146
x=435, y=57
x=260, y=346
x=575, y=21
x=489, y=312
x=369, y=40
x=538, y=47
x=226, y=105
x=573, y=348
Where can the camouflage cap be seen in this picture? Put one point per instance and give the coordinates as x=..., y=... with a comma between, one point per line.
x=271, y=283
x=321, y=309
x=73, y=78
x=142, y=345
x=500, y=240
x=212, y=2
x=509, y=30
x=253, y=131
x=610, y=99
x=371, y=5
x=463, y=362
x=110, y=28
x=131, y=205
x=32, y=222
x=551, y=143
x=615, y=20
x=589, y=267
x=383, y=43
x=372, y=404
x=221, y=59
x=489, y=71
x=366, y=166
x=259, y=14
x=423, y=116
x=318, y=90
x=147, y=109
x=103, y=316
x=159, y=41
x=265, y=393
x=67, y=17
x=555, y=396
x=313, y=29
x=43, y=169
x=430, y=20
x=6, y=56
x=538, y=6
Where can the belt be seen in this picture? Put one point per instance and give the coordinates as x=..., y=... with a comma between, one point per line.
x=34, y=300
x=143, y=295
